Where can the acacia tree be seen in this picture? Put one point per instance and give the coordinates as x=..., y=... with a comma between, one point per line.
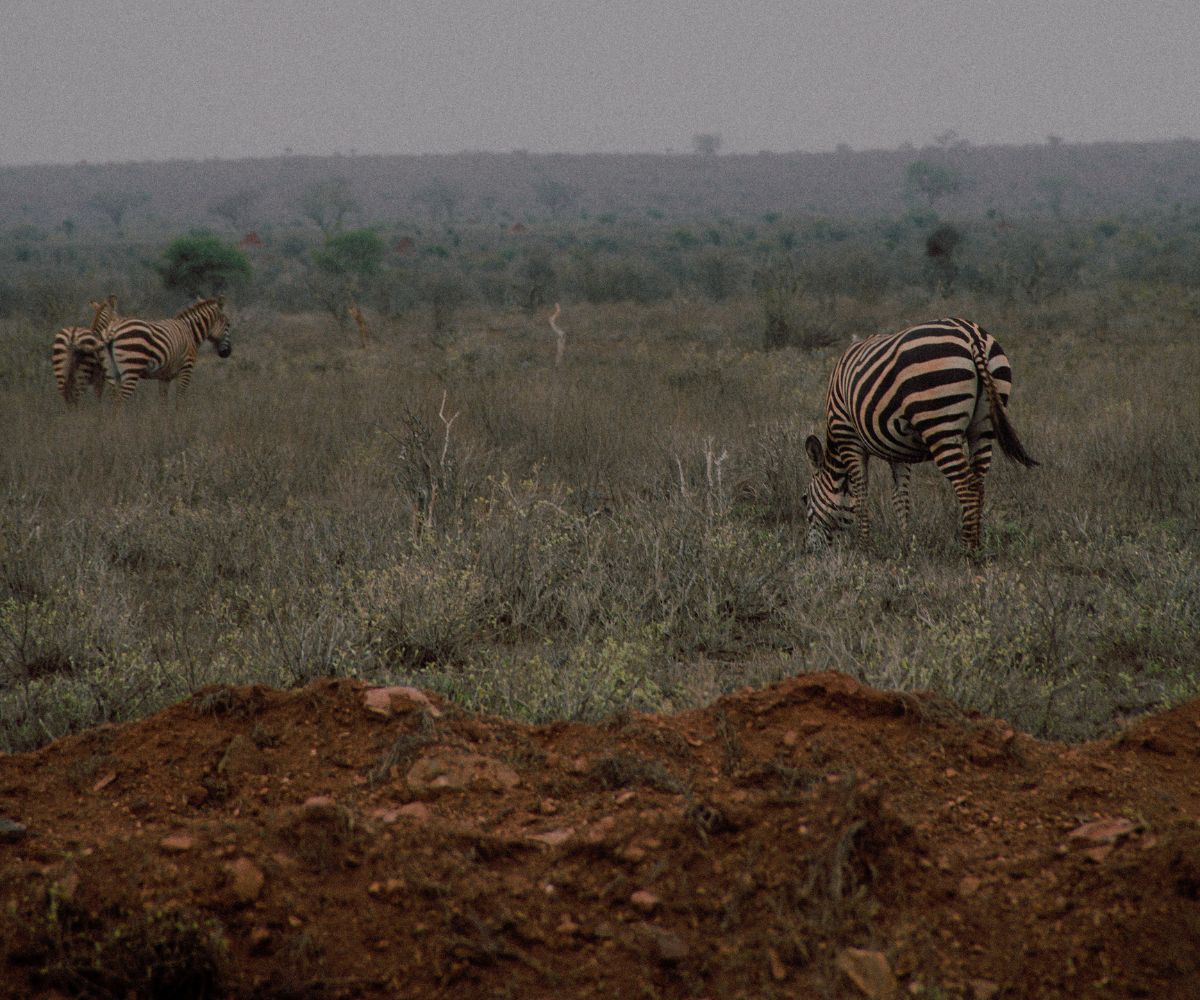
x=932, y=180
x=554, y=194
x=440, y=198
x=117, y=204
x=235, y=208
x=203, y=264
x=328, y=202
x=346, y=264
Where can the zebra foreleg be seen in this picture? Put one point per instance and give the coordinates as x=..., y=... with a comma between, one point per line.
x=901, y=500
x=183, y=380
x=857, y=472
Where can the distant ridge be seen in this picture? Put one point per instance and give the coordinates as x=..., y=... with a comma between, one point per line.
x=1073, y=179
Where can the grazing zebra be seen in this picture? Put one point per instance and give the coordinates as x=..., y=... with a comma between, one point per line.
x=165, y=349
x=75, y=353
x=934, y=391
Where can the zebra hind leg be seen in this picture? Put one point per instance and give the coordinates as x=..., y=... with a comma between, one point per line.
x=950, y=456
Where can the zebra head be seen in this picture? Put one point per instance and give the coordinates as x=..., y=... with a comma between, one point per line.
x=828, y=506
x=218, y=330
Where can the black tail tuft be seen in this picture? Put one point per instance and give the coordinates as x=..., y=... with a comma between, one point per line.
x=1006, y=435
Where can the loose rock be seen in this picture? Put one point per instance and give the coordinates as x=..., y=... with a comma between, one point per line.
x=870, y=972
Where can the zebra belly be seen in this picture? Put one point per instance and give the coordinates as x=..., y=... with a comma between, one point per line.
x=897, y=441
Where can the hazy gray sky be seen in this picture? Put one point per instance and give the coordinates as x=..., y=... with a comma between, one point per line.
x=158, y=79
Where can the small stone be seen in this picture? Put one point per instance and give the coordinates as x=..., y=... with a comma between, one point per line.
x=791, y=738
x=384, y=815
x=634, y=853
x=778, y=969
x=567, y=926
x=625, y=796
x=383, y=701
x=177, y=842
x=260, y=939
x=319, y=803
x=12, y=832
x=969, y=885
x=104, y=781
x=1104, y=831
x=547, y=807
x=414, y=810
x=983, y=989
x=241, y=760
x=869, y=971
x=1097, y=853
x=552, y=838
x=455, y=771
x=599, y=830
x=246, y=879
x=645, y=900
x=668, y=946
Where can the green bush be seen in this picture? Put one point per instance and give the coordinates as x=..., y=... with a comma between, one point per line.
x=203, y=264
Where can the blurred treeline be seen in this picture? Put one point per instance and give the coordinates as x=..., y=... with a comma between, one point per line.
x=802, y=232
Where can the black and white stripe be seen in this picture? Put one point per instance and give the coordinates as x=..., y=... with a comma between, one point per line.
x=75, y=353
x=135, y=349
x=937, y=391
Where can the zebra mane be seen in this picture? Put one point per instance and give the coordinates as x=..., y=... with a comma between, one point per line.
x=199, y=306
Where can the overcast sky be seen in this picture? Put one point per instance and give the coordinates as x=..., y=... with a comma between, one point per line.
x=107, y=80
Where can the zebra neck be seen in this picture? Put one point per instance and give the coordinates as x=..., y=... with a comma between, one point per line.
x=199, y=326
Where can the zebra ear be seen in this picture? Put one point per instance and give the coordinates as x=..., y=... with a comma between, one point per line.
x=812, y=445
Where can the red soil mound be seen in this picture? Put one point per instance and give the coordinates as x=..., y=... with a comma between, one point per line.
x=817, y=838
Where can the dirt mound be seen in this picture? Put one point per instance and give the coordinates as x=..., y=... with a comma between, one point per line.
x=816, y=838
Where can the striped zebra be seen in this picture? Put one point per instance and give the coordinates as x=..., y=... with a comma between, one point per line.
x=135, y=349
x=934, y=391
x=75, y=353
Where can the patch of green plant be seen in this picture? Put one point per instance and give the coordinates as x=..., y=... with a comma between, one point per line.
x=154, y=954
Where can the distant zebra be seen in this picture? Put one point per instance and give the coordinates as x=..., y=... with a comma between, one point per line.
x=934, y=391
x=135, y=349
x=75, y=353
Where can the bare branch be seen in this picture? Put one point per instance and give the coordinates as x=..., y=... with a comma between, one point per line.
x=559, y=333
x=447, y=422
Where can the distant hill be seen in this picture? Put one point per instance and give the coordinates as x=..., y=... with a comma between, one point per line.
x=959, y=180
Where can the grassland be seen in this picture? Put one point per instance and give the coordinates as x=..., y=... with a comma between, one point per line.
x=623, y=531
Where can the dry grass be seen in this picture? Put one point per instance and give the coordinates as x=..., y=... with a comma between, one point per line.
x=617, y=532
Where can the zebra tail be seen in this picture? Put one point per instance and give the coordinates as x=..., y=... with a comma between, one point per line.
x=1006, y=434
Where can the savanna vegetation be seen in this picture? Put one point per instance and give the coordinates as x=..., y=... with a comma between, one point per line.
x=442, y=504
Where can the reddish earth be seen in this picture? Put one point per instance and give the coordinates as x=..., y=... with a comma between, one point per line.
x=817, y=838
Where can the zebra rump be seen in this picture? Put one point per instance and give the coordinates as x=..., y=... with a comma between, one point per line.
x=75, y=354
